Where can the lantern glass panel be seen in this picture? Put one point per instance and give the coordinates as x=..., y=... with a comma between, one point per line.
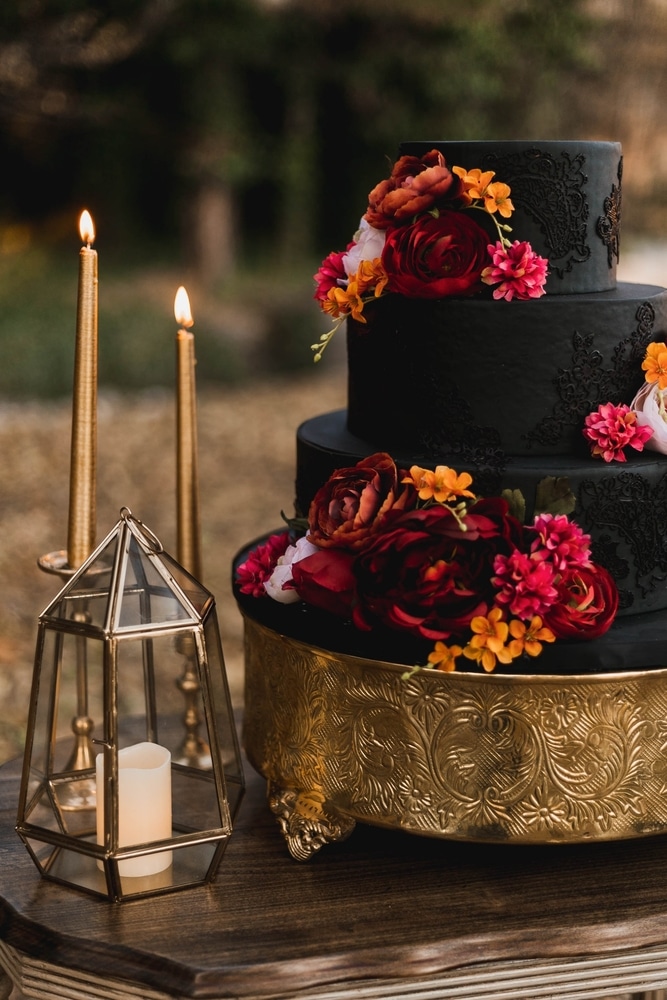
x=222, y=710
x=150, y=705
x=71, y=686
x=86, y=599
x=146, y=596
x=199, y=597
x=152, y=673
x=189, y=866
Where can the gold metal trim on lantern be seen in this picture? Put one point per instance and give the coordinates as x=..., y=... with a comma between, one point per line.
x=522, y=759
x=135, y=818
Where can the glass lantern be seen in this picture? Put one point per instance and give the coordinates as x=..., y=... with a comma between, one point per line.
x=132, y=772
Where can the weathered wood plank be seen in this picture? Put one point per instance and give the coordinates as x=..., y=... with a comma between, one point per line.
x=383, y=914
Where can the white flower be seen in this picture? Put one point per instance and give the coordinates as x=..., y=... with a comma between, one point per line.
x=282, y=573
x=369, y=244
x=649, y=405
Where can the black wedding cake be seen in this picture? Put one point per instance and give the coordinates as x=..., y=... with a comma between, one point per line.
x=486, y=334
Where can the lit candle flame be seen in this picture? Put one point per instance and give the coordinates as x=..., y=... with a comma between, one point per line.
x=182, y=309
x=86, y=228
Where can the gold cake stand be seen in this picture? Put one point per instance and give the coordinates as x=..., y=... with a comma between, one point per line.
x=487, y=758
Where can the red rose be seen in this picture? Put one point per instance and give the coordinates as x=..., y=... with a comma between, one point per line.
x=325, y=579
x=414, y=186
x=436, y=257
x=586, y=605
x=350, y=506
x=425, y=575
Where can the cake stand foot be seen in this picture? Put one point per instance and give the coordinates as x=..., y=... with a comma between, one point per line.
x=307, y=824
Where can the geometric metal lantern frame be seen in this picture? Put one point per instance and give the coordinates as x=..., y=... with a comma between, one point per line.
x=132, y=772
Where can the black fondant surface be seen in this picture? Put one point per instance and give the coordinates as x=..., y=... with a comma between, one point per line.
x=477, y=377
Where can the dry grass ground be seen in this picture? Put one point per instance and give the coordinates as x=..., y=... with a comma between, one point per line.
x=247, y=460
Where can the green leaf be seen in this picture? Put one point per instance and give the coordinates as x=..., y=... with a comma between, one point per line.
x=554, y=496
x=517, y=503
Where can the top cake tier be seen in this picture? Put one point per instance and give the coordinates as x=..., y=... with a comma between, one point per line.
x=567, y=198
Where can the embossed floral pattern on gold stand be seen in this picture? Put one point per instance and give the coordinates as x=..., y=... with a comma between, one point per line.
x=516, y=759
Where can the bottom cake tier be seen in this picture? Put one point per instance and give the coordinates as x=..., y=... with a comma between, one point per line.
x=623, y=506
x=553, y=758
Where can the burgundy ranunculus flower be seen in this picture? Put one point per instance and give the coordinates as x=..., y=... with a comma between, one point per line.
x=436, y=257
x=586, y=606
x=415, y=185
x=351, y=505
x=425, y=575
x=326, y=580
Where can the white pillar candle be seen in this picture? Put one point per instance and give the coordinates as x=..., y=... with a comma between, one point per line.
x=144, y=805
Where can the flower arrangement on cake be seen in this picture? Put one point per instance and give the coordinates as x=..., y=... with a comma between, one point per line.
x=419, y=238
x=643, y=423
x=416, y=551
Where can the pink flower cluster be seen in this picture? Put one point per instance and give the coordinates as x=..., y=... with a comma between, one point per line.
x=330, y=274
x=612, y=428
x=530, y=583
x=260, y=564
x=517, y=271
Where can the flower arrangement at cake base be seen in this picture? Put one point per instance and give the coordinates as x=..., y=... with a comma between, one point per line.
x=376, y=634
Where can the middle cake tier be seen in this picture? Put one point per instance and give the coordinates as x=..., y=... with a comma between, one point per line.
x=481, y=380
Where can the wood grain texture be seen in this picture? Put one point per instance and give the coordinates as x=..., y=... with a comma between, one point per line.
x=383, y=908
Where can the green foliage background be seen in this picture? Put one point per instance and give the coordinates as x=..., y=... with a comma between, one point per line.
x=228, y=144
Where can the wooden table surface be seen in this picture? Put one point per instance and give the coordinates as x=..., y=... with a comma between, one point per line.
x=382, y=915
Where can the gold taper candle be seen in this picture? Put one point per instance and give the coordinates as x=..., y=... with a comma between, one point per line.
x=187, y=471
x=82, y=491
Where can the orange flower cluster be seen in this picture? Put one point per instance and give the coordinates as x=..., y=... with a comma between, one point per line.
x=442, y=484
x=370, y=277
x=494, y=641
x=479, y=186
x=655, y=364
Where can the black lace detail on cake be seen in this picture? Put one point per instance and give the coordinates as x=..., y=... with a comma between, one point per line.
x=476, y=450
x=609, y=225
x=629, y=512
x=550, y=189
x=604, y=552
x=587, y=384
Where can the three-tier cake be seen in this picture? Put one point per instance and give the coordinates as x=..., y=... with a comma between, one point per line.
x=492, y=503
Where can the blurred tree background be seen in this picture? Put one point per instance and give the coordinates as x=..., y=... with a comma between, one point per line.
x=229, y=144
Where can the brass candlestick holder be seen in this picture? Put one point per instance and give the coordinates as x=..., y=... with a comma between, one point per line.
x=193, y=750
